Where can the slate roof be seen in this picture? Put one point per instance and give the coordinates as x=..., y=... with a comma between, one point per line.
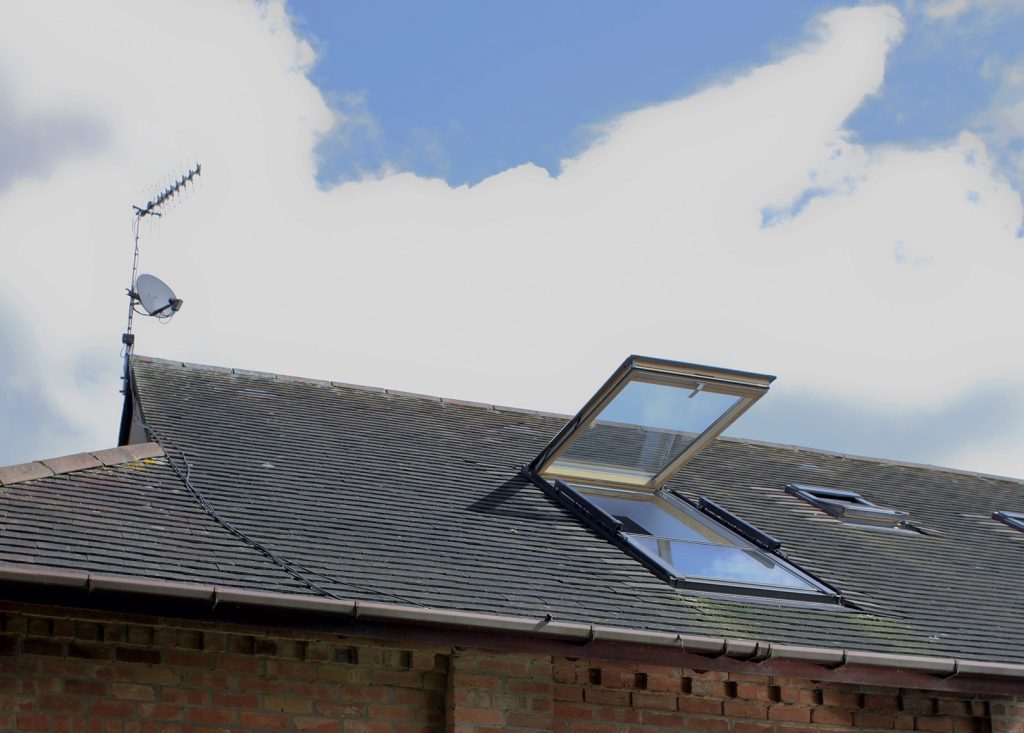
x=385, y=496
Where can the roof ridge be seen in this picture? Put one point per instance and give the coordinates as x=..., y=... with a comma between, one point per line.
x=78, y=462
x=871, y=459
x=349, y=385
x=543, y=413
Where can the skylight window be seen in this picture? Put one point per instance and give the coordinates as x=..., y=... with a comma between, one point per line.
x=851, y=508
x=647, y=421
x=1011, y=519
x=693, y=551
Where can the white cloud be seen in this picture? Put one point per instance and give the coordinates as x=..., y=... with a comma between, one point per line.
x=949, y=10
x=687, y=231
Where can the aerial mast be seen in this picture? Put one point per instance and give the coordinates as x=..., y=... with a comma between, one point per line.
x=150, y=292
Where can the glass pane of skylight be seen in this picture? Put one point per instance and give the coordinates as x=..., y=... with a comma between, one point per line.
x=721, y=563
x=658, y=518
x=643, y=429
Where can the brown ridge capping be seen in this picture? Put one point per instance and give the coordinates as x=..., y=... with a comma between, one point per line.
x=78, y=462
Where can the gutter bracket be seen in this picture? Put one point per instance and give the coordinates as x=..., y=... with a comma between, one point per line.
x=590, y=637
x=841, y=663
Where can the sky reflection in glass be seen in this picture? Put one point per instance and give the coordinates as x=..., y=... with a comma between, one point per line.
x=644, y=428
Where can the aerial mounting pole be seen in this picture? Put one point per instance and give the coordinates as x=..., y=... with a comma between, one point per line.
x=167, y=309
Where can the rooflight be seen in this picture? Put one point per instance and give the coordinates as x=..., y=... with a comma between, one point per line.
x=1010, y=519
x=649, y=419
x=850, y=507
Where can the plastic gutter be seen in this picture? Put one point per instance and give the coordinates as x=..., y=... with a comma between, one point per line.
x=742, y=650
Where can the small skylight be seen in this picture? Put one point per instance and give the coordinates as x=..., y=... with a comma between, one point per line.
x=1011, y=519
x=850, y=507
x=647, y=421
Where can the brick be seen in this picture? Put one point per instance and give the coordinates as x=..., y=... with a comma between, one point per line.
x=745, y=709
x=182, y=696
x=703, y=705
x=42, y=647
x=215, y=716
x=137, y=656
x=475, y=681
x=361, y=726
x=662, y=718
x=936, y=725
x=744, y=726
x=351, y=693
x=799, y=695
x=881, y=703
x=139, y=635
x=747, y=691
x=866, y=719
x=287, y=704
x=841, y=699
x=111, y=708
x=705, y=723
x=125, y=691
x=917, y=704
x=789, y=714
x=656, y=700
x=479, y=716
x=33, y=722
x=952, y=706
x=263, y=720
x=316, y=725
x=572, y=711
x=161, y=711
x=604, y=696
x=85, y=687
x=831, y=716
x=235, y=700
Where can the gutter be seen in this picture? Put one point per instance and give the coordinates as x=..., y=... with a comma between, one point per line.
x=542, y=635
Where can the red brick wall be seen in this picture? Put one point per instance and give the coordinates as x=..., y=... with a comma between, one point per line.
x=86, y=672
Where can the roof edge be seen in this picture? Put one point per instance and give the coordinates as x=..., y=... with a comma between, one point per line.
x=78, y=462
x=563, y=416
x=738, y=650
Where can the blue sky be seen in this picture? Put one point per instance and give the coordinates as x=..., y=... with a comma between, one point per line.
x=463, y=90
x=499, y=202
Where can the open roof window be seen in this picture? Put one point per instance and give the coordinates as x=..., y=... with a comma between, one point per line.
x=851, y=508
x=1011, y=519
x=647, y=421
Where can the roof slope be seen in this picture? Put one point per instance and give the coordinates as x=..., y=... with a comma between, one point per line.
x=122, y=514
x=391, y=497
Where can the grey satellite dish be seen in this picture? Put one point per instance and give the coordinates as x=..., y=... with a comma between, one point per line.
x=156, y=298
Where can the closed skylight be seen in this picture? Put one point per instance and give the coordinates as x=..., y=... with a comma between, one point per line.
x=851, y=508
x=1011, y=519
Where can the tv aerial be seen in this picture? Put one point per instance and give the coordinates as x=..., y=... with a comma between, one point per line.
x=156, y=299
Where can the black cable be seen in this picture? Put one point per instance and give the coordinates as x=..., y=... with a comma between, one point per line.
x=292, y=569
